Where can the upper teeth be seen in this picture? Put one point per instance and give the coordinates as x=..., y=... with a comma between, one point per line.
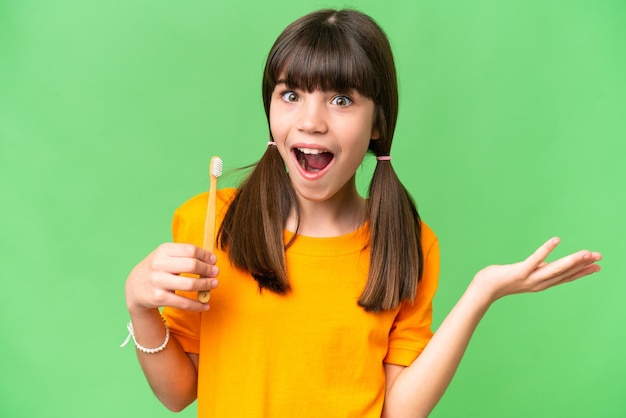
x=310, y=150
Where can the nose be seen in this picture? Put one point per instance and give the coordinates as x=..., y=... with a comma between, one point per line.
x=312, y=117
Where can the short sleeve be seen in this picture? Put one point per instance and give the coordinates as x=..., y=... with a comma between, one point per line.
x=188, y=227
x=412, y=330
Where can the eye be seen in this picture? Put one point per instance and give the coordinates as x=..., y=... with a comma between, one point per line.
x=341, y=101
x=290, y=96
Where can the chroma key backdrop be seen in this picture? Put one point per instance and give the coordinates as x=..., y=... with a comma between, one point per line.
x=512, y=129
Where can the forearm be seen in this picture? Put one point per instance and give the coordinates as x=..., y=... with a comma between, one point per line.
x=418, y=387
x=171, y=373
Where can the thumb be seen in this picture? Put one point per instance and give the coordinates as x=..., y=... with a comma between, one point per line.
x=537, y=258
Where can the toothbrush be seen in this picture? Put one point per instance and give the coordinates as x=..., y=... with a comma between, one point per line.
x=215, y=170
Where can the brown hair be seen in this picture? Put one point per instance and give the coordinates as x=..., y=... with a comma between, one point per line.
x=330, y=50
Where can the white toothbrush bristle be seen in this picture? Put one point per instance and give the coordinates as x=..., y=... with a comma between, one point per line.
x=216, y=166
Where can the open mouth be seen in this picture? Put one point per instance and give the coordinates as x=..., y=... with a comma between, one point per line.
x=313, y=160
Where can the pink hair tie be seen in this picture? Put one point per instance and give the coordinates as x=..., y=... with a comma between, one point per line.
x=384, y=158
x=271, y=143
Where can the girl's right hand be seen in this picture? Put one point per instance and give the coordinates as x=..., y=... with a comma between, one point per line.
x=152, y=282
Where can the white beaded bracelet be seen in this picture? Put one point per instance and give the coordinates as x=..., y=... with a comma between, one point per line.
x=131, y=333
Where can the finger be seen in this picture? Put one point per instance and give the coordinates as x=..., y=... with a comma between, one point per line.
x=566, y=268
x=585, y=271
x=176, y=249
x=178, y=265
x=537, y=259
x=594, y=268
x=182, y=302
x=173, y=282
x=574, y=262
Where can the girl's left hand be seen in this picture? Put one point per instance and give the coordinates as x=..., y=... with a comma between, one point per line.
x=534, y=274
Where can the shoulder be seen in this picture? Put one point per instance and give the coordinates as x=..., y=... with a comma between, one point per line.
x=190, y=217
x=427, y=237
x=196, y=206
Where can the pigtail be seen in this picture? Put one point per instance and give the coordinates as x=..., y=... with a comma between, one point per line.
x=395, y=250
x=258, y=247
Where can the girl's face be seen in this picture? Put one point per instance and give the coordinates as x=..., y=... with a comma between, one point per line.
x=322, y=137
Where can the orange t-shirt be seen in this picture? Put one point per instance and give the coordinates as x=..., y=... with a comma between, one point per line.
x=310, y=353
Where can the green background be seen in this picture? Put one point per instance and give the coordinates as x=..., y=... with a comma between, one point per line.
x=512, y=129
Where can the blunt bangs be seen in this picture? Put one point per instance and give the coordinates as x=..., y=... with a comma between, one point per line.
x=322, y=56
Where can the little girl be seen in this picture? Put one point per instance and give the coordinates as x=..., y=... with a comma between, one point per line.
x=325, y=298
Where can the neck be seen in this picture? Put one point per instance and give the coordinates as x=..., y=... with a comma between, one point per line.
x=340, y=215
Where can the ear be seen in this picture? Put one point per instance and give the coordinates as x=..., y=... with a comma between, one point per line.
x=375, y=134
